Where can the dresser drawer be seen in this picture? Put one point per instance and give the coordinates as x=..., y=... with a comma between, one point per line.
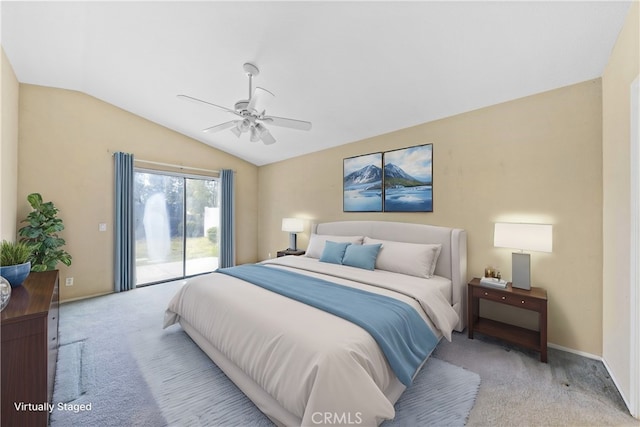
x=29, y=344
x=522, y=301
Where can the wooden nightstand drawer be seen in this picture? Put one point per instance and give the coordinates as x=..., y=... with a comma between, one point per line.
x=509, y=298
x=528, y=303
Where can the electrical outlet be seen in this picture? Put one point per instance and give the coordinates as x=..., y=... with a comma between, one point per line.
x=68, y=281
x=102, y=226
x=269, y=255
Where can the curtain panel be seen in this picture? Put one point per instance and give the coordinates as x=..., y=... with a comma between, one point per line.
x=227, y=223
x=125, y=272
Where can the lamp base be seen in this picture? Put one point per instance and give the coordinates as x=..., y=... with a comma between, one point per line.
x=521, y=270
x=292, y=242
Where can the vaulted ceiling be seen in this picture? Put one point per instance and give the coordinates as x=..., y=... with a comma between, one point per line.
x=353, y=69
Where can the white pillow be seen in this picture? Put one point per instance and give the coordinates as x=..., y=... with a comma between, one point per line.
x=317, y=241
x=413, y=259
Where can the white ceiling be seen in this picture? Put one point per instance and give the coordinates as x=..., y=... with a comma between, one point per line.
x=354, y=69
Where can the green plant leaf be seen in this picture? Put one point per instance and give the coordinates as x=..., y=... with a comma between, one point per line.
x=35, y=200
x=14, y=253
x=41, y=235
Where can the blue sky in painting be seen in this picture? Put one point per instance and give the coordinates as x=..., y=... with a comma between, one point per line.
x=416, y=161
x=356, y=163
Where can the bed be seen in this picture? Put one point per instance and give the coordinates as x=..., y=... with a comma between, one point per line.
x=302, y=365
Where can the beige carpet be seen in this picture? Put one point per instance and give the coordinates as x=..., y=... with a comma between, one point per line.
x=515, y=389
x=518, y=390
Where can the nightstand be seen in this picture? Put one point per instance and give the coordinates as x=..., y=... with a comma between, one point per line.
x=534, y=300
x=297, y=252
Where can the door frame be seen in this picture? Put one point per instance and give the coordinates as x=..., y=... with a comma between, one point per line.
x=634, y=282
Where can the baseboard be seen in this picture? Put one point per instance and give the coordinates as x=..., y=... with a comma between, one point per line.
x=85, y=297
x=617, y=384
x=578, y=352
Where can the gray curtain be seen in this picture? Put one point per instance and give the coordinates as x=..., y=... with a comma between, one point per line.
x=227, y=214
x=125, y=272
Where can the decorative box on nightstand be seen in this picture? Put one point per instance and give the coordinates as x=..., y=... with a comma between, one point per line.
x=290, y=252
x=534, y=300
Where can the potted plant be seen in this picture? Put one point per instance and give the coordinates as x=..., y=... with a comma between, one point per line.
x=15, y=263
x=41, y=235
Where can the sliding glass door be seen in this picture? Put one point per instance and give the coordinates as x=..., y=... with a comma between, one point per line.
x=202, y=222
x=176, y=218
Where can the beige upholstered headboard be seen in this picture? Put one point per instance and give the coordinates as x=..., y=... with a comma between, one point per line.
x=452, y=262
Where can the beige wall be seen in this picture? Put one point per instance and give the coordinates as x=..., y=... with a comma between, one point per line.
x=536, y=159
x=622, y=69
x=66, y=141
x=9, y=89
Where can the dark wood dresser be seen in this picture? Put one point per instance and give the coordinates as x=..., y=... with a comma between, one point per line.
x=29, y=350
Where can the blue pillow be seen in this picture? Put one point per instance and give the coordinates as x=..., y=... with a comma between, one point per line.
x=362, y=256
x=333, y=252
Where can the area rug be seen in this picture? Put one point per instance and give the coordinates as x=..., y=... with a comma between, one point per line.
x=117, y=366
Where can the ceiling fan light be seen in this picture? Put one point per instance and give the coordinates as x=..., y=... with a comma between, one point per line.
x=255, y=135
x=267, y=138
x=260, y=129
x=236, y=131
x=244, y=125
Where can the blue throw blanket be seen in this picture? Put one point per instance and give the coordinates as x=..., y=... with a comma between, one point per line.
x=405, y=339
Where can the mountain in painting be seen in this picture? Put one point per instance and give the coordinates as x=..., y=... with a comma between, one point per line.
x=368, y=174
x=394, y=176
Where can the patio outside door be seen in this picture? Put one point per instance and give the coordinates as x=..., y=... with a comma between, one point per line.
x=177, y=219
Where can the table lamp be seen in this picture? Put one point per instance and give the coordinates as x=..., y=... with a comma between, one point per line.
x=525, y=237
x=293, y=226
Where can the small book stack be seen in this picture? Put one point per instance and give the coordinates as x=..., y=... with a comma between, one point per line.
x=493, y=282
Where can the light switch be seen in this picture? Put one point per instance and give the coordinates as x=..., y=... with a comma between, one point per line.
x=102, y=226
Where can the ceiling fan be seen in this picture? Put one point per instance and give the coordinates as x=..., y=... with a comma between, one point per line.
x=252, y=113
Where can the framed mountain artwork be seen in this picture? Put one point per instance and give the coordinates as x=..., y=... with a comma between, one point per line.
x=408, y=179
x=362, y=183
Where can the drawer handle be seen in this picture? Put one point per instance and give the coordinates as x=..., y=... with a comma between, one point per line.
x=523, y=301
x=504, y=297
x=486, y=293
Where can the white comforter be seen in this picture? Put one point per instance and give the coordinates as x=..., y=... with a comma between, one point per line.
x=312, y=362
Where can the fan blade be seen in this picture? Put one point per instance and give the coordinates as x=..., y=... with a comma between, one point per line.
x=260, y=100
x=200, y=101
x=287, y=123
x=266, y=137
x=221, y=126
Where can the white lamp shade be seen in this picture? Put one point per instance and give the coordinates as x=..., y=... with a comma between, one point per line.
x=292, y=225
x=526, y=237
